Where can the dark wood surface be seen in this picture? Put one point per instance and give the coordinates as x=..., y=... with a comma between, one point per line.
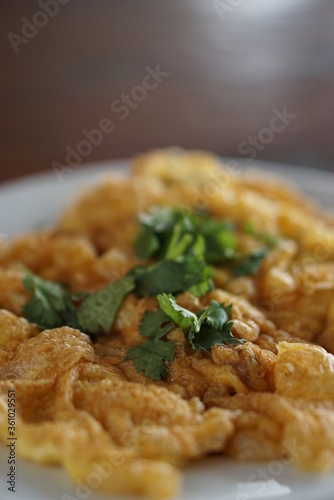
x=227, y=73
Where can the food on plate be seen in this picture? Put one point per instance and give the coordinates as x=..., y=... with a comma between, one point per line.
x=182, y=310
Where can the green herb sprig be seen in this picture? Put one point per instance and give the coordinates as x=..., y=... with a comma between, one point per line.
x=209, y=327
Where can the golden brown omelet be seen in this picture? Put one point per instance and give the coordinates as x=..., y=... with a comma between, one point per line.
x=81, y=405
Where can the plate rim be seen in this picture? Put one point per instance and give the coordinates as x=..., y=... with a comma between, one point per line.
x=116, y=163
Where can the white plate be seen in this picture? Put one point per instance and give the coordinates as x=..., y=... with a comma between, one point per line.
x=28, y=202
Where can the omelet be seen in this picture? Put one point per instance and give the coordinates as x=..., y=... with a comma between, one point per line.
x=82, y=403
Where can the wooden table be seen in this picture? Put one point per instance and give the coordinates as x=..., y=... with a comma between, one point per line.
x=226, y=72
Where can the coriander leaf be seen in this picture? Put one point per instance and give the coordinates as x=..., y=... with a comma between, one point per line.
x=220, y=247
x=151, y=324
x=168, y=276
x=251, y=263
x=219, y=236
x=40, y=310
x=48, y=303
x=205, y=285
x=179, y=242
x=228, y=337
x=173, y=229
x=218, y=314
x=70, y=318
x=99, y=310
x=168, y=233
x=146, y=242
x=208, y=337
x=181, y=316
x=215, y=328
x=197, y=249
x=54, y=291
x=205, y=339
x=151, y=356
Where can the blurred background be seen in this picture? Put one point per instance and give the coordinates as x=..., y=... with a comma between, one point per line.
x=85, y=81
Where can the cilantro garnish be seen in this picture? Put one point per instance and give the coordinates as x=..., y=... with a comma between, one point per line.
x=181, y=316
x=208, y=337
x=216, y=328
x=98, y=311
x=152, y=324
x=184, y=244
x=168, y=233
x=50, y=305
x=217, y=315
x=171, y=276
x=220, y=238
x=146, y=242
x=209, y=327
x=151, y=356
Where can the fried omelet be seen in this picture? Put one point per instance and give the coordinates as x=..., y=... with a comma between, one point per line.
x=82, y=405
